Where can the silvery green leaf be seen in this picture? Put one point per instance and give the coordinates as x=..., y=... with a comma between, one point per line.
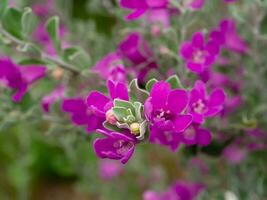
x=143, y=128
x=174, y=81
x=138, y=111
x=120, y=113
x=150, y=84
x=3, y=7
x=28, y=21
x=123, y=125
x=136, y=93
x=110, y=126
x=52, y=27
x=11, y=22
x=124, y=104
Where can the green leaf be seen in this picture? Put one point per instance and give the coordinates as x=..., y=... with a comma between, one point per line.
x=138, y=111
x=3, y=7
x=28, y=21
x=174, y=81
x=111, y=127
x=32, y=61
x=12, y=23
x=150, y=84
x=52, y=27
x=77, y=57
x=136, y=93
x=143, y=129
x=263, y=27
x=120, y=113
x=124, y=104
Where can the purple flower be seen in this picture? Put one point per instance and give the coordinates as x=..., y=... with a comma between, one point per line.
x=116, y=146
x=234, y=153
x=19, y=78
x=80, y=114
x=164, y=109
x=180, y=190
x=230, y=1
x=201, y=105
x=137, y=52
x=142, y=6
x=195, y=4
x=110, y=169
x=57, y=94
x=101, y=105
x=226, y=35
x=197, y=54
x=111, y=67
x=195, y=135
x=43, y=9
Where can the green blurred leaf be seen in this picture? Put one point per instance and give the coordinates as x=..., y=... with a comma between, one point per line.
x=150, y=84
x=31, y=49
x=28, y=21
x=263, y=27
x=3, y=6
x=174, y=81
x=136, y=93
x=124, y=104
x=12, y=22
x=52, y=27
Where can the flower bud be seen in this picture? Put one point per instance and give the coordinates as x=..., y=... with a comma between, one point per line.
x=58, y=73
x=110, y=117
x=135, y=128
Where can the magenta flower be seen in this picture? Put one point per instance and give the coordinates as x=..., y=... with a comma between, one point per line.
x=137, y=52
x=116, y=146
x=194, y=135
x=80, y=114
x=101, y=105
x=141, y=7
x=195, y=4
x=180, y=190
x=226, y=35
x=164, y=109
x=111, y=67
x=197, y=54
x=234, y=154
x=57, y=94
x=110, y=169
x=19, y=78
x=230, y=1
x=201, y=105
x=43, y=9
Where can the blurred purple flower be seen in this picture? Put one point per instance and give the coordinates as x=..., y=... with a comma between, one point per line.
x=195, y=4
x=43, y=9
x=19, y=78
x=137, y=52
x=116, y=146
x=194, y=135
x=111, y=67
x=202, y=106
x=110, y=169
x=197, y=54
x=164, y=110
x=226, y=35
x=230, y=1
x=80, y=114
x=57, y=94
x=181, y=190
x=234, y=153
x=142, y=6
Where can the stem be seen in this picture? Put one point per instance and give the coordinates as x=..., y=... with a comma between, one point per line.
x=57, y=61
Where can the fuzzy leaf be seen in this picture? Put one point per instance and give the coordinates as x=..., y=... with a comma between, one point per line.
x=28, y=21
x=150, y=84
x=174, y=81
x=138, y=110
x=124, y=104
x=52, y=27
x=3, y=7
x=120, y=113
x=136, y=93
x=110, y=126
x=12, y=22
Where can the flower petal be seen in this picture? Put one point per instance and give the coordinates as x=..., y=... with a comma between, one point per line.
x=182, y=122
x=177, y=101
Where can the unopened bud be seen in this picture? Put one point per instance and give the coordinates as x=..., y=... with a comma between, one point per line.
x=135, y=128
x=58, y=73
x=110, y=117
